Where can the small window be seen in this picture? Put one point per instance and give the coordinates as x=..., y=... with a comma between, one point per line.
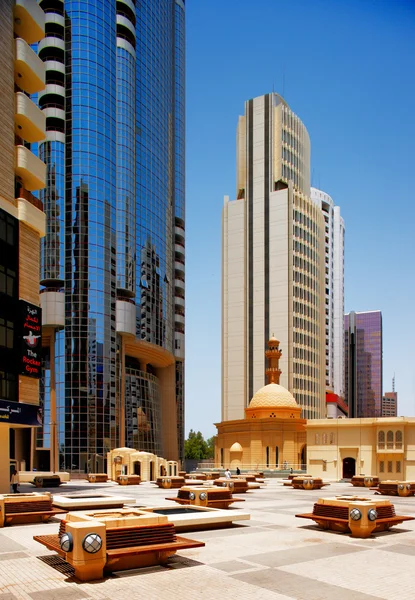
x=381, y=439
x=324, y=438
x=324, y=465
x=389, y=440
x=398, y=466
x=331, y=438
x=381, y=466
x=389, y=466
x=317, y=438
x=398, y=440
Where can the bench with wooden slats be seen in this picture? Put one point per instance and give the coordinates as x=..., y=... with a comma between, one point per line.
x=336, y=517
x=129, y=479
x=216, y=498
x=395, y=488
x=131, y=546
x=238, y=486
x=29, y=511
x=97, y=478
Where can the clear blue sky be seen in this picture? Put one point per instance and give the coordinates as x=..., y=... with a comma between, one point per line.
x=346, y=68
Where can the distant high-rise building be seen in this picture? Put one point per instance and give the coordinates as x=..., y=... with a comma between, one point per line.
x=390, y=402
x=273, y=262
x=334, y=298
x=363, y=363
x=22, y=224
x=112, y=271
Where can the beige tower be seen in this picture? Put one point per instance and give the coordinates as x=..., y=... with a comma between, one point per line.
x=272, y=262
x=22, y=223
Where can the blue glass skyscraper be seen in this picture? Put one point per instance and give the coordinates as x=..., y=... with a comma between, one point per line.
x=112, y=270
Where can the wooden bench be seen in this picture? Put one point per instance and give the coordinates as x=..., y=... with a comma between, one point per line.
x=46, y=481
x=395, y=488
x=336, y=518
x=169, y=482
x=237, y=486
x=129, y=480
x=364, y=481
x=97, y=478
x=130, y=547
x=307, y=483
x=214, y=498
x=29, y=511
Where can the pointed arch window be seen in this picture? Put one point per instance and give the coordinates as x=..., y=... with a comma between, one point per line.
x=389, y=441
x=381, y=439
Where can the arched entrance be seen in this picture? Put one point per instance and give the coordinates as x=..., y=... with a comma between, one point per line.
x=151, y=470
x=349, y=467
x=137, y=467
x=304, y=458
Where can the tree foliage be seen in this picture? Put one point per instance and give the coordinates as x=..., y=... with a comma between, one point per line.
x=197, y=448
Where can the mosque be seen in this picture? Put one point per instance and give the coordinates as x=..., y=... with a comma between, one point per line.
x=273, y=434
x=273, y=437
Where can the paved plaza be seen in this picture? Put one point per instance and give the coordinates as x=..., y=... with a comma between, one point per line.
x=272, y=556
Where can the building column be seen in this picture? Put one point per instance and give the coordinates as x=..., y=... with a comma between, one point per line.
x=4, y=464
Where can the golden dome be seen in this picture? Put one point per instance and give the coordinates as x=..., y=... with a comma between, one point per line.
x=272, y=395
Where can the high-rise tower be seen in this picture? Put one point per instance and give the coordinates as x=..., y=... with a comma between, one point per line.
x=273, y=262
x=363, y=363
x=113, y=256
x=334, y=296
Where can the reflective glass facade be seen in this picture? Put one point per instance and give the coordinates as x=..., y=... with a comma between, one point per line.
x=363, y=363
x=114, y=102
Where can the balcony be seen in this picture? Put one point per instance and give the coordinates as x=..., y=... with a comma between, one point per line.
x=179, y=301
x=30, y=122
x=53, y=309
x=179, y=319
x=29, y=70
x=29, y=21
x=30, y=169
x=125, y=317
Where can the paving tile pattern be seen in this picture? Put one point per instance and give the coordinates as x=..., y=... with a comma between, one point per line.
x=274, y=556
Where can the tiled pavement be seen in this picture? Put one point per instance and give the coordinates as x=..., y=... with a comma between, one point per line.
x=273, y=556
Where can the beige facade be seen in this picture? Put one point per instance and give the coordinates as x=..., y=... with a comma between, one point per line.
x=127, y=461
x=384, y=447
x=273, y=262
x=21, y=24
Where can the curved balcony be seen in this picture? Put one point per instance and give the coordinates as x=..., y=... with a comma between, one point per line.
x=179, y=227
x=124, y=22
x=51, y=42
x=56, y=113
x=30, y=169
x=128, y=3
x=178, y=283
x=179, y=319
x=29, y=70
x=179, y=267
x=29, y=21
x=125, y=317
x=52, y=88
x=179, y=249
x=53, y=309
x=179, y=301
x=30, y=122
x=51, y=17
x=54, y=65
x=33, y=216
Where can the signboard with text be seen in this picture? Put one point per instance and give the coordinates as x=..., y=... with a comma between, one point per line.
x=18, y=413
x=31, y=339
